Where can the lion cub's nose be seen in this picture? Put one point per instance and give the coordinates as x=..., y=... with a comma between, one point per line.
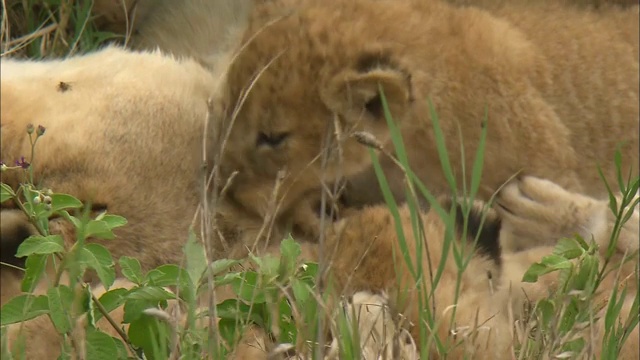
x=272, y=140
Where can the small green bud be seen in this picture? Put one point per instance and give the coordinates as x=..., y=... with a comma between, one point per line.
x=30, y=129
x=37, y=199
x=40, y=131
x=47, y=199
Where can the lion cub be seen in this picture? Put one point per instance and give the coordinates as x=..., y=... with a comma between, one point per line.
x=558, y=97
x=532, y=212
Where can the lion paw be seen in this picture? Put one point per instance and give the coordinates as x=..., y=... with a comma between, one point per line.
x=539, y=212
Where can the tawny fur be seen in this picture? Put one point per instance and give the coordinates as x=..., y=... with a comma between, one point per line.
x=198, y=28
x=589, y=4
x=559, y=86
x=365, y=240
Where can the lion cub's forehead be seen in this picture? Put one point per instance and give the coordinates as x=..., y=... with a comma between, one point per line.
x=296, y=51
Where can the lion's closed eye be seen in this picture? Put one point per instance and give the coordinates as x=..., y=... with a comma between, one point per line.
x=272, y=140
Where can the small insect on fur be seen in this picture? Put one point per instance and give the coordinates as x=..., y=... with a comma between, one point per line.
x=63, y=86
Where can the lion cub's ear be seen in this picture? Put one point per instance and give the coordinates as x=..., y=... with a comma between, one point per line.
x=353, y=92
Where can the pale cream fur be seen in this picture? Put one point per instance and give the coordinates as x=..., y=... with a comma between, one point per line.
x=198, y=28
x=560, y=95
x=126, y=136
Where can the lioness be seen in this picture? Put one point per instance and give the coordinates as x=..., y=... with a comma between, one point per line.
x=124, y=132
x=557, y=97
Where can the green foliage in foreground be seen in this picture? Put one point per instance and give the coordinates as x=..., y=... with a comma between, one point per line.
x=39, y=29
x=278, y=294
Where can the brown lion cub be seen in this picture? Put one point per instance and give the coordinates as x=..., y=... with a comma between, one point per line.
x=559, y=97
x=367, y=257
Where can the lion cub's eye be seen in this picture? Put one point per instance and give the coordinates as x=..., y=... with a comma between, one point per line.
x=374, y=107
x=271, y=140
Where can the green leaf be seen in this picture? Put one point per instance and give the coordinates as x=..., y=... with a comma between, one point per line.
x=288, y=330
x=227, y=279
x=234, y=309
x=246, y=287
x=230, y=331
x=99, y=346
x=131, y=269
x=309, y=271
x=168, y=275
x=133, y=309
x=22, y=308
x=587, y=273
x=151, y=335
x=534, y=271
x=441, y=147
x=221, y=265
x=98, y=229
x=196, y=259
x=556, y=262
x=268, y=265
x=63, y=201
x=151, y=293
x=112, y=221
x=301, y=291
x=98, y=258
x=569, y=315
x=568, y=248
x=6, y=192
x=111, y=300
x=614, y=306
x=34, y=269
x=121, y=349
x=290, y=251
x=38, y=244
x=70, y=218
x=60, y=303
x=613, y=205
x=546, y=311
